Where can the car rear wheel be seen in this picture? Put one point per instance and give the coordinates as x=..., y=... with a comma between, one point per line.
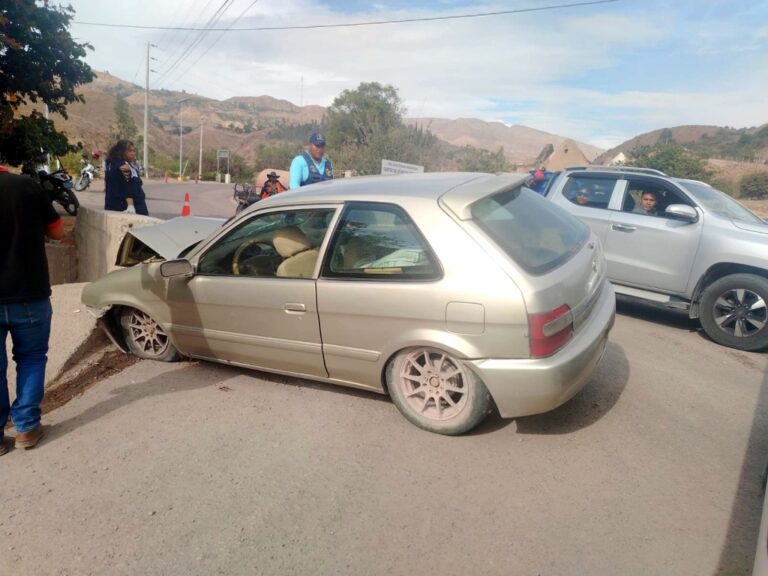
x=145, y=338
x=734, y=311
x=436, y=392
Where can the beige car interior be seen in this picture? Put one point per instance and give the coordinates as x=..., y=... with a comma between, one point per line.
x=299, y=257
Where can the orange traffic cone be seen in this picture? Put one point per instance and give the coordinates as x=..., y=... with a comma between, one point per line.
x=185, y=211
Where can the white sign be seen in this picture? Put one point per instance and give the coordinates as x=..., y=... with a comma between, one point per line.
x=222, y=153
x=392, y=167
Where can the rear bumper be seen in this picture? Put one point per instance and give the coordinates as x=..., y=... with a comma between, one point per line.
x=521, y=387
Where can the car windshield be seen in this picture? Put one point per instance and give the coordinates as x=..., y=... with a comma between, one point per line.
x=720, y=204
x=535, y=233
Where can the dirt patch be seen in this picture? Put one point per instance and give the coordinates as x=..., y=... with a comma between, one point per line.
x=110, y=362
x=96, y=359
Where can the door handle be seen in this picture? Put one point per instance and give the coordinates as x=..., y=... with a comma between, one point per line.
x=295, y=307
x=623, y=228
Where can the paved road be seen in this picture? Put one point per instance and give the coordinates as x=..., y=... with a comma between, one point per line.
x=165, y=200
x=196, y=468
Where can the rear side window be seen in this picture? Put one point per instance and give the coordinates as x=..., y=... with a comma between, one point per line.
x=589, y=191
x=538, y=235
x=379, y=242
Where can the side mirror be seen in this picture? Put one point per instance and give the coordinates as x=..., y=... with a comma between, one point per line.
x=176, y=268
x=682, y=212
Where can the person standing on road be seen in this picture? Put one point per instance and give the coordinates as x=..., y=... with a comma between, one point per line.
x=26, y=217
x=122, y=183
x=311, y=166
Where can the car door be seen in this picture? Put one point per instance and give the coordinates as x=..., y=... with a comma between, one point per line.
x=252, y=300
x=377, y=283
x=588, y=197
x=651, y=251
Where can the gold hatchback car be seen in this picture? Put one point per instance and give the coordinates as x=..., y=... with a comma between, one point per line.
x=446, y=291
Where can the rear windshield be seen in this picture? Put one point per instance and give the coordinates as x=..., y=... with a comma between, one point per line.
x=538, y=235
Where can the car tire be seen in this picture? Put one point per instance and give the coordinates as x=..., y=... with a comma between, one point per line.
x=145, y=338
x=436, y=391
x=734, y=311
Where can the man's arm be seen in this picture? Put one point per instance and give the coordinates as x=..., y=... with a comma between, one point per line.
x=297, y=172
x=55, y=230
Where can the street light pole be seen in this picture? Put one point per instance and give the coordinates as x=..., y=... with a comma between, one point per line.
x=145, y=157
x=181, y=134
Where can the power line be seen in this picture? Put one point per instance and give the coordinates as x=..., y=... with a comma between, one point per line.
x=356, y=24
x=220, y=36
x=198, y=39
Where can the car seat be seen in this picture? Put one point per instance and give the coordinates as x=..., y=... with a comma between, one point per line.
x=299, y=257
x=629, y=203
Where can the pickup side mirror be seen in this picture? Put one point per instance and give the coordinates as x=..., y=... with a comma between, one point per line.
x=682, y=212
x=176, y=268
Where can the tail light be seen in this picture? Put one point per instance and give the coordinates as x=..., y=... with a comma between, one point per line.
x=550, y=331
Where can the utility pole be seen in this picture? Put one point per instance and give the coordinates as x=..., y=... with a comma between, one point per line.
x=200, y=162
x=145, y=157
x=181, y=137
x=301, y=95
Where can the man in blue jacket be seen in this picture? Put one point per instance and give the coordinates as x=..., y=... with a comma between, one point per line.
x=311, y=166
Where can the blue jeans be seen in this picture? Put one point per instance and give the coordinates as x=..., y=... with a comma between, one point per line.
x=30, y=326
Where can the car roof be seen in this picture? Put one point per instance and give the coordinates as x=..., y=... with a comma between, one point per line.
x=456, y=189
x=598, y=168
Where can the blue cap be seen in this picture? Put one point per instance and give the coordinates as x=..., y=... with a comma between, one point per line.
x=317, y=138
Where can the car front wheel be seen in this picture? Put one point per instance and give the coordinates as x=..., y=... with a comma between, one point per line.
x=734, y=311
x=145, y=338
x=436, y=392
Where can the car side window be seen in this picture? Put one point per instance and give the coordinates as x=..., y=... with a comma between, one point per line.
x=589, y=191
x=649, y=198
x=379, y=242
x=278, y=244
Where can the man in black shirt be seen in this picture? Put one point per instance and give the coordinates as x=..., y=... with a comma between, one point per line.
x=26, y=217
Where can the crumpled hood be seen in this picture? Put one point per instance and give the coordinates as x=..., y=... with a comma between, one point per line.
x=166, y=240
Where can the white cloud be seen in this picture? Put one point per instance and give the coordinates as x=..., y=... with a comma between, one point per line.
x=453, y=68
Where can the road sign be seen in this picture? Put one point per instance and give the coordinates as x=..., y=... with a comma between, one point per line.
x=393, y=167
x=222, y=153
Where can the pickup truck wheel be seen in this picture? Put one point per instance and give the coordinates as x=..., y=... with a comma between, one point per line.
x=734, y=311
x=436, y=392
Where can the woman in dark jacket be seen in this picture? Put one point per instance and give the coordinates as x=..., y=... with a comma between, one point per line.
x=124, y=192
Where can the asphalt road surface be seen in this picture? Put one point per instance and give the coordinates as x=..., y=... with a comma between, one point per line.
x=195, y=468
x=166, y=199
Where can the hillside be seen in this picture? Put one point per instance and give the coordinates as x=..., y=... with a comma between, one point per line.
x=242, y=123
x=740, y=145
x=521, y=144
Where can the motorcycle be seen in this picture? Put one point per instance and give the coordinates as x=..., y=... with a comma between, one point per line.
x=58, y=184
x=87, y=174
x=245, y=194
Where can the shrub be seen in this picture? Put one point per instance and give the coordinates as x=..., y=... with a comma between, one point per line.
x=754, y=185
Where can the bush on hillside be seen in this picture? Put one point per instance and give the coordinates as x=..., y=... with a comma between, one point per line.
x=754, y=186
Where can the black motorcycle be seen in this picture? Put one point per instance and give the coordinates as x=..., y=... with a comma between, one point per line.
x=245, y=194
x=59, y=186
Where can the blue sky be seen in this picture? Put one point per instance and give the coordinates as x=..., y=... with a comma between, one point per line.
x=600, y=73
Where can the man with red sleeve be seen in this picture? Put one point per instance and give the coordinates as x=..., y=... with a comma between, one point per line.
x=26, y=218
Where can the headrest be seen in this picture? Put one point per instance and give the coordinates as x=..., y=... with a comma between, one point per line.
x=289, y=241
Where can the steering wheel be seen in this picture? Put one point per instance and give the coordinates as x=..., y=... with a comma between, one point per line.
x=241, y=250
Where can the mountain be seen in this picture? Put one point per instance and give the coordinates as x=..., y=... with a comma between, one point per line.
x=734, y=144
x=242, y=123
x=521, y=144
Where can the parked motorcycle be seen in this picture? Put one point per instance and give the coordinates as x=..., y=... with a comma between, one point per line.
x=87, y=174
x=59, y=186
x=245, y=194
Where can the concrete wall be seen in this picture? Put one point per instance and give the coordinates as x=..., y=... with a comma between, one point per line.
x=98, y=234
x=62, y=263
